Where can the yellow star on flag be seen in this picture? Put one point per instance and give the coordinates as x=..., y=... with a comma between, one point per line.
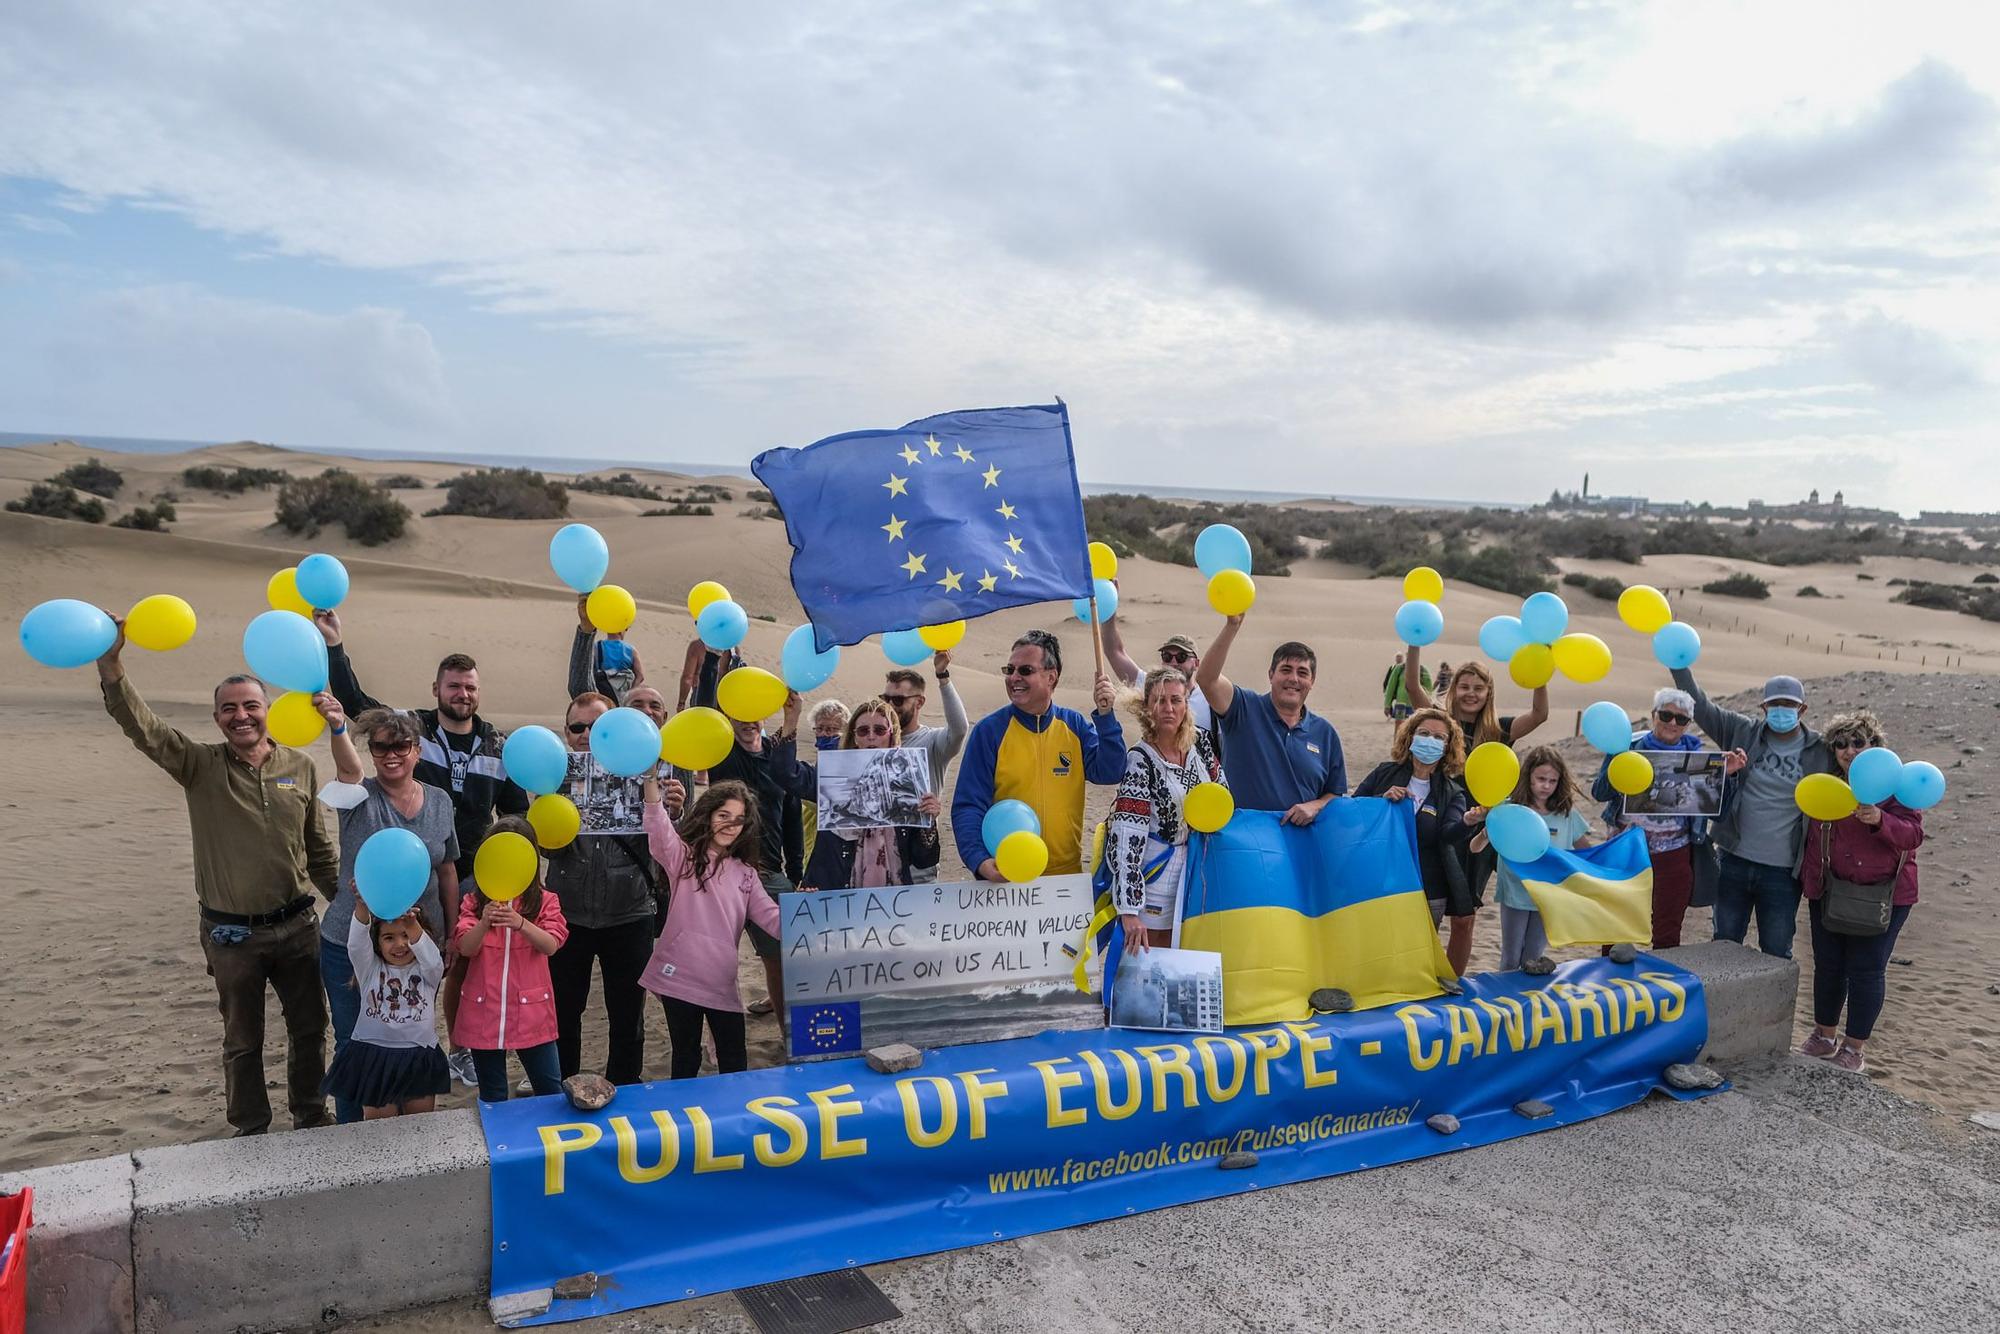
x=898, y=486
x=1013, y=544
x=992, y=475
x=894, y=528
x=910, y=455
x=950, y=580
x=933, y=444
x=964, y=454
x=915, y=565
x=1011, y=568
x=1005, y=511
x=988, y=581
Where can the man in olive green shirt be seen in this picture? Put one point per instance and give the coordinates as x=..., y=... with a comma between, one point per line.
x=259, y=851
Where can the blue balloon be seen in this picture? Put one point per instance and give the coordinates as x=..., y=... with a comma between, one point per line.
x=1220, y=547
x=579, y=557
x=1544, y=617
x=391, y=872
x=1007, y=817
x=1606, y=727
x=1875, y=775
x=722, y=625
x=286, y=650
x=801, y=663
x=1501, y=638
x=906, y=648
x=1419, y=622
x=322, y=581
x=1921, y=787
x=536, y=760
x=625, y=742
x=1517, y=833
x=67, y=633
x=1107, y=602
x=1677, y=645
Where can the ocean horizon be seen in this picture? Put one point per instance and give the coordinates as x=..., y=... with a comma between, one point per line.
x=554, y=463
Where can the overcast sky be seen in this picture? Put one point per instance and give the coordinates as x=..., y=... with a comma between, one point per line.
x=1459, y=251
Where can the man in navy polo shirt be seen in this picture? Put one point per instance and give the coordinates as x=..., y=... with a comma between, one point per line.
x=1282, y=756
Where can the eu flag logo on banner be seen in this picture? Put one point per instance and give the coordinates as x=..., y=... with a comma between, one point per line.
x=826, y=1029
x=949, y=518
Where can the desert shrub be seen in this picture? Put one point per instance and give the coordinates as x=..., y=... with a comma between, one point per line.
x=53, y=500
x=678, y=509
x=152, y=518
x=1738, y=586
x=1810, y=592
x=624, y=484
x=1986, y=577
x=1509, y=569
x=1594, y=539
x=1938, y=597
x=759, y=493
x=402, y=481
x=1898, y=583
x=365, y=510
x=235, y=481
x=1598, y=586
x=709, y=492
x=92, y=475
x=505, y=493
x=1869, y=577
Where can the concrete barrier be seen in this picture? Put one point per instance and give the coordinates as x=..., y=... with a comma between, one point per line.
x=291, y=1229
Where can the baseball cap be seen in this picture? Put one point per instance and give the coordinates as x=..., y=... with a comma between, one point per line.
x=1785, y=688
x=1181, y=642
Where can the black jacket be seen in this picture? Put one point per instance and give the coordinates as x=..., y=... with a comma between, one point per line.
x=779, y=782
x=1441, y=827
x=478, y=787
x=832, y=864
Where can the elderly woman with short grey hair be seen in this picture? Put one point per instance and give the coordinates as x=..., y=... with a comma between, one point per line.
x=1671, y=840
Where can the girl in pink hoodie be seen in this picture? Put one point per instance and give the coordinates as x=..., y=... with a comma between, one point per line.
x=710, y=863
x=509, y=941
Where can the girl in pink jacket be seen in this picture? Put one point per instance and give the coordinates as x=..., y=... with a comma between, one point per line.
x=511, y=940
x=1872, y=846
x=711, y=872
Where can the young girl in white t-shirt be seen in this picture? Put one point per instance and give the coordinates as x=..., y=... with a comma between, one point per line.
x=392, y=1065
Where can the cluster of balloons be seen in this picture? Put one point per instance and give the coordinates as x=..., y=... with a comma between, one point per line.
x=1223, y=554
x=278, y=648
x=318, y=581
x=1644, y=609
x=537, y=761
x=1606, y=726
x=1012, y=833
x=1876, y=775
x=580, y=557
x=1419, y=620
x=718, y=618
x=1103, y=569
x=1537, y=644
x=1492, y=772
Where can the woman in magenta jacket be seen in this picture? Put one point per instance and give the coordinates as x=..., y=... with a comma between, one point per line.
x=1867, y=848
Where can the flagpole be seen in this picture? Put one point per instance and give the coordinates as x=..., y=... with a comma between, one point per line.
x=1096, y=638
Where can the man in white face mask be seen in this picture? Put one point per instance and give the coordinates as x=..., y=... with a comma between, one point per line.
x=1761, y=831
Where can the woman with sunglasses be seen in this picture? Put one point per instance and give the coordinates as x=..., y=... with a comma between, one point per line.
x=1670, y=841
x=392, y=799
x=874, y=857
x=1146, y=836
x=1873, y=846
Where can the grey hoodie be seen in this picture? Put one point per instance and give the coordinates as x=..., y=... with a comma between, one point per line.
x=1730, y=731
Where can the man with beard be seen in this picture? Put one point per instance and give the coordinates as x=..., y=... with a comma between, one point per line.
x=1282, y=756
x=459, y=752
x=904, y=692
x=259, y=852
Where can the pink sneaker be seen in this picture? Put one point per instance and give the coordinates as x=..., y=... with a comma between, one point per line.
x=1818, y=1045
x=1849, y=1059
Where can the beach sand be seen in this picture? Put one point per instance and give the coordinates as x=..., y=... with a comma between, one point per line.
x=113, y=1039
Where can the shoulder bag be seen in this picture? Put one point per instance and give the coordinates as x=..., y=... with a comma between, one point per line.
x=1849, y=909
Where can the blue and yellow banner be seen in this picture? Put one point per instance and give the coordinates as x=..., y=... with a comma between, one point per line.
x=1337, y=903
x=700, y=1186
x=1594, y=896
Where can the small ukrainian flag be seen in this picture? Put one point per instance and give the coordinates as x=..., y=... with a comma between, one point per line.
x=1594, y=896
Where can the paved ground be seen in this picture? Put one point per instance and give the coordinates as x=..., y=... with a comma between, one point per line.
x=1804, y=1201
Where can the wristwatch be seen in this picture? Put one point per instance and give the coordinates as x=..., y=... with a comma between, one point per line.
x=944, y=676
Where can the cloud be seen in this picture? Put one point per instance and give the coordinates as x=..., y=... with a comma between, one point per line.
x=1900, y=357
x=29, y=222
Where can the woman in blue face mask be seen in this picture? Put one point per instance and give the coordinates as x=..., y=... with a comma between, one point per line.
x=1424, y=767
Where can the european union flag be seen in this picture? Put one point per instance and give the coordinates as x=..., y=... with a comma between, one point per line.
x=951, y=517
x=826, y=1029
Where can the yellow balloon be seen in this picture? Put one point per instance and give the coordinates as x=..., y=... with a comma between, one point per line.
x=555, y=820
x=282, y=592
x=696, y=739
x=1532, y=666
x=1824, y=797
x=1208, y=807
x=611, y=609
x=1582, y=657
x=292, y=720
x=1491, y=773
x=1630, y=773
x=1103, y=561
x=161, y=622
x=1022, y=856
x=1097, y=848
x=749, y=694
x=1423, y=584
x=505, y=865
x=703, y=593
x=1644, y=608
x=939, y=638
x=1232, y=592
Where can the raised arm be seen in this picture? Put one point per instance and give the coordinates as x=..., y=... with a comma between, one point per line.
x=1537, y=714
x=341, y=680
x=690, y=673
x=165, y=746
x=1413, y=678
x=1115, y=657
x=346, y=759
x=582, y=680
x=956, y=725
x=1216, y=687
x=1104, y=755
x=1727, y=728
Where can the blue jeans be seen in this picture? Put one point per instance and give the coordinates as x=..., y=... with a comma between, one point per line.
x=343, y=1002
x=539, y=1063
x=1771, y=892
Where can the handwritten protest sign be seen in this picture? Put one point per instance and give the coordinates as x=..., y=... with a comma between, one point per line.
x=934, y=965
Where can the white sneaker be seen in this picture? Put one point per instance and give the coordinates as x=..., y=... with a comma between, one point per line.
x=459, y=1062
x=526, y=1085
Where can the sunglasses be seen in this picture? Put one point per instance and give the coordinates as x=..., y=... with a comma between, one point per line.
x=1174, y=657
x=1011, y=670
x=872, y=731
x=1669, y=716
x=578, y=729
x=383, y=748
x=1856, y=743
x=897, y=699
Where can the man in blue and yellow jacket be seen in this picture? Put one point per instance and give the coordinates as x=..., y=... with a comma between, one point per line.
x=1037, y=752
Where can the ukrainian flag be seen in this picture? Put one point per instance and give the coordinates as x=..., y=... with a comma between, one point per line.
x=1337, y=903
x=1595, y=896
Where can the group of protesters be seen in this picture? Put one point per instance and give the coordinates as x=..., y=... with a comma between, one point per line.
x=661, y=910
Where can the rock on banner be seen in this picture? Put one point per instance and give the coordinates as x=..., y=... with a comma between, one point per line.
x=698, y=1186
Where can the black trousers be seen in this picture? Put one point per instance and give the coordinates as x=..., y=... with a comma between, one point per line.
x=620, y=952
x=684, y=1028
